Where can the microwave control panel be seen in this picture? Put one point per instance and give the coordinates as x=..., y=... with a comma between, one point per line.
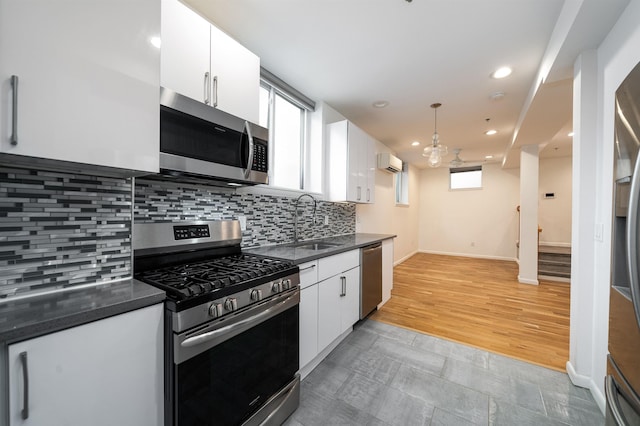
x=260, y=158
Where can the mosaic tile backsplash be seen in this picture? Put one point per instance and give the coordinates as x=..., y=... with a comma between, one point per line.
x=59, y=230
x=269, y=218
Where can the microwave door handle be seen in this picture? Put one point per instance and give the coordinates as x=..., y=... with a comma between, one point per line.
x=632, y=240
x=247, y=129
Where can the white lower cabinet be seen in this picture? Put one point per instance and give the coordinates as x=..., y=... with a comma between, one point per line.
x=308, y=324
x=339, y=305
x=387, y=270
x=108, y=372
x=308, y=312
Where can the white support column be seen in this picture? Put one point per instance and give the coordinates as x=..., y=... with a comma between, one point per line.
x=583, y=234
x=529, y=166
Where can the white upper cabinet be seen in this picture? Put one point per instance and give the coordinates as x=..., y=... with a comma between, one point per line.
x=186, y=51
x=351, y=165
x=202, y=62
x=235, y=74
x=87, y=84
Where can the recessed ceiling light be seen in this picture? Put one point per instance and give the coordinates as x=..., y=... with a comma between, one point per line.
x=415, y=143
x=570, y=134
x=488, y=157
x=497, y=96
x=491, y=132
x=155, y=41
x=380, y=104
x=501, y=72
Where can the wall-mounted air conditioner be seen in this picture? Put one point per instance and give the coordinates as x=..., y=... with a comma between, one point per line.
x=389, y=163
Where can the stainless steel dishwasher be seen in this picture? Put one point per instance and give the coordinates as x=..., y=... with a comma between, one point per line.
x=370, y=279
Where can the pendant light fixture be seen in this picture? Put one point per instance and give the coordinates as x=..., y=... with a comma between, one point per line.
x=436, y=151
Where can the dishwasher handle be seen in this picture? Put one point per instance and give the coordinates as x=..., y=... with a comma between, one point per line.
x=373, y=247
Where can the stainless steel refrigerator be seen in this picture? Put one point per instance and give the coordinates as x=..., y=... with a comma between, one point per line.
x=622, y=384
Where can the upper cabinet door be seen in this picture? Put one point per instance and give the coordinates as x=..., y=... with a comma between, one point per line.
x=88, y=82
x=186, y=54
x=351, y=163
x=202, y=62
x=371, y=156
x=355, y=139
x=236, y=74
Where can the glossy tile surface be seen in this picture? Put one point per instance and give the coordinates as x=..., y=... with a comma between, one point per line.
x=385, y=375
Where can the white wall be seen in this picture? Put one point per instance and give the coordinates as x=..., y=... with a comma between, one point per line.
x=616, y=57
x=478, y=223
x=384, y=217
x=554, y=215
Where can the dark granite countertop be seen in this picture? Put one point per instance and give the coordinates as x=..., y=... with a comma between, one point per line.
x=297, y=254
x=38, y=315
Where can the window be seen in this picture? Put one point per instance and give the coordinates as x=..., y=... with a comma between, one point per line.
x=465, y=177
x=284, y=112
x=402, y=185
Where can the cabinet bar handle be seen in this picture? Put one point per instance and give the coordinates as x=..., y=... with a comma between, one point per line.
x=215, y=91
x=207, y=88
x=359, y=193
x=308, y=267
x=14, y=107
x=344, y=286
x=25, y=379
x=368, y=194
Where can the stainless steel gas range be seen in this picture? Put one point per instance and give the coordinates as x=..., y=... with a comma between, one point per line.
x=231, y=324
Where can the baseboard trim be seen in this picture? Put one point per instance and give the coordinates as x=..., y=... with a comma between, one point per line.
x=554, y=244
x=552, y=278
x=527, y=281
x=311, y=365
x=478, y=256
x=588, y=383
x=399, y=261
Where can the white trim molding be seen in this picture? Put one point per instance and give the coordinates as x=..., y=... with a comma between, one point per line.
x=527, y=281
x=478, y=256
x=587, y=382
x=399, y=261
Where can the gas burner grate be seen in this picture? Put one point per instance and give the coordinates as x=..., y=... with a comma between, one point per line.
x=198, y=278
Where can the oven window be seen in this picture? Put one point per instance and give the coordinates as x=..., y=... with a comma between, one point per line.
x=229, y=382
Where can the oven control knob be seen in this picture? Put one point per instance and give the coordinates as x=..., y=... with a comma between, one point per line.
x=276, y=287
x=215, y=310
x=256, y=295
x=286, y=284
x=231, y=304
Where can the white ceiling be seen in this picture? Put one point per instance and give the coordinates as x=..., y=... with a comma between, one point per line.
x=350, y=53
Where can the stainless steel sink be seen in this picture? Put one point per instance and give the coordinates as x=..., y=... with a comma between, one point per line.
x=315, y=246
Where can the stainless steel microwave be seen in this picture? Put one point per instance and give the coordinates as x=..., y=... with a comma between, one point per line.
x=199, y=142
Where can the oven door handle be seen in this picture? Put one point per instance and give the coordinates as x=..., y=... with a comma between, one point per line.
x=245, y=324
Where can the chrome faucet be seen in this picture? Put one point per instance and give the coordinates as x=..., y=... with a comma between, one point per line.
x=295, y=215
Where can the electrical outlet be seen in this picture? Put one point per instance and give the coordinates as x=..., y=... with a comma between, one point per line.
x=243, y=222
x=326, y=219
x=473, y=244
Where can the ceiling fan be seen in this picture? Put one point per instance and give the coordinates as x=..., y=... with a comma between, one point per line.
x=457, y=161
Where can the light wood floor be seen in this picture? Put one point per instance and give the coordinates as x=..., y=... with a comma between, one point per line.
x=479, y=302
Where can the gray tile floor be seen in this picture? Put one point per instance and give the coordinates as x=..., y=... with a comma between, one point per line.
x=385, y=375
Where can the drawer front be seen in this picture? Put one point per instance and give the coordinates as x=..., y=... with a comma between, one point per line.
x=308, y=274
x=332, y=265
